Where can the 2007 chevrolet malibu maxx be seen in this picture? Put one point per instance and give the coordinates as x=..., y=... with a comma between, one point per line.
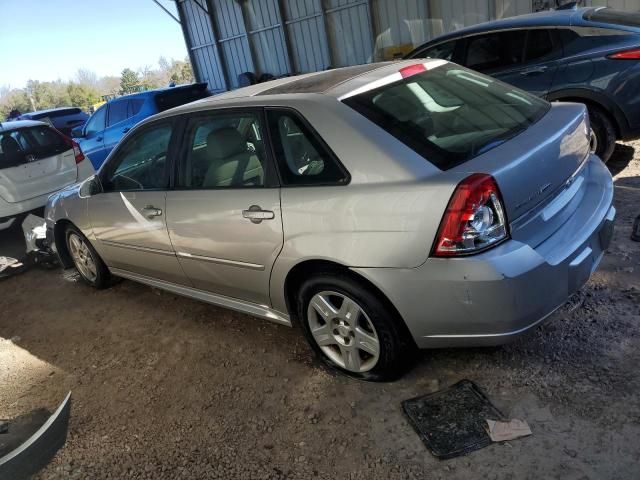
x=381, y=207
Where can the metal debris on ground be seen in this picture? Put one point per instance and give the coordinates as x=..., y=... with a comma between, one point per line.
x=452, y=422
x=10, y=266
x=503, y=431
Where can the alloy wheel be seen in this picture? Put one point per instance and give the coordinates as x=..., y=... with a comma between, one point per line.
x=82, y=257
x=343, y=331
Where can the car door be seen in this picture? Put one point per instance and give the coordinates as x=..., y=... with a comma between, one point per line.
x=526, y=59
x=92, y=141
x=223, y=214
x=128, y=217
x=117, y=123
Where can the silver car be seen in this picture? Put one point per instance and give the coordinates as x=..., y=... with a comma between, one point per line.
x=380, y=207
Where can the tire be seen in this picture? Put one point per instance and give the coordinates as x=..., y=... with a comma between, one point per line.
x=604, y=132
x=344, y=343
x=99, y=276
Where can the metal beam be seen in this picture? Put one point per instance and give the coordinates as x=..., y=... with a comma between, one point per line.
x=332, y=59
x=216, y=36
x=285, y=33
x=165, y=10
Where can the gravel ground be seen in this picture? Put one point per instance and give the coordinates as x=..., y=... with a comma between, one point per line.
x=166, y=387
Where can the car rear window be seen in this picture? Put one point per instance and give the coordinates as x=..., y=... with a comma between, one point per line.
x=30, y=144
x=615, y=17
x=179, y=96
x=450, y=114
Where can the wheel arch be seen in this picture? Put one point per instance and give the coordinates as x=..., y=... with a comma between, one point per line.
x=597, y=99
x=307, y=268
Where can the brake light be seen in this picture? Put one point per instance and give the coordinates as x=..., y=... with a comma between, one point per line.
x=412, y=70
x=633, y=54
x=77, y=151
x=474, y=219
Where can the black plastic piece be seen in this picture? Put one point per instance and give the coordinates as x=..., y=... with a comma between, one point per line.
x=635, y=231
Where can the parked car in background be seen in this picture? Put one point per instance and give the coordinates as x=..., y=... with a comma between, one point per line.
x=115, y=118
x=35, y=160
x=380, y=207
x=63, y=119
x=587, y=55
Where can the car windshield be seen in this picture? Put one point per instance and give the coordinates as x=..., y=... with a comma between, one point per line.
x=449, y=114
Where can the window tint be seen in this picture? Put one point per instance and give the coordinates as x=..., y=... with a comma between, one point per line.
x=301, y=156
x=497, y=50
x=450, y=114
x=443, y=51
x=141, y=162
x=134, y=107
x=97, y=121
x=117, y=111
x=30, y=144
x=225, y=150
x=539, y=44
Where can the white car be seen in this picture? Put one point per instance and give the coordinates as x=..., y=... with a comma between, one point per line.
x=35, y=161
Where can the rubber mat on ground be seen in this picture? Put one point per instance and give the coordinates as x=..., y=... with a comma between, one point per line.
x=452, y=422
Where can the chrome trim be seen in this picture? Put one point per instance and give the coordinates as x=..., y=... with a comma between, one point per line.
x=262, y=311
x=136, y=247
x=222, y=261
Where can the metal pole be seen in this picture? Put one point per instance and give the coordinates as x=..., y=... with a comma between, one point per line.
x=285, y=33
x=165, y=10
x=216, y=37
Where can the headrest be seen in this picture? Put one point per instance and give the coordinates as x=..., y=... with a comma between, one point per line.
x=225, y=142
x=9, y=145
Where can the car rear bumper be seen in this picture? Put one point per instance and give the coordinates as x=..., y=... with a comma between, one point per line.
x=490, y=298
x=10, y=210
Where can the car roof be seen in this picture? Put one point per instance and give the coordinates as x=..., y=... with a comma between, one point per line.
x=549, y=18
x=157, y=91
x=16, y=124
x=70, y=110
x=334, y=83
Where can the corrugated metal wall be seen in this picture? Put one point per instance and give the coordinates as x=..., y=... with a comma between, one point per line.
x=227, y=38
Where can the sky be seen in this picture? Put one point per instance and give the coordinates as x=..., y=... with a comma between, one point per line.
x=51, y=39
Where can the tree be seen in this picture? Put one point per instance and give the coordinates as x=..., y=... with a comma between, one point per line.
x=83, y=96
x=129, y=81
x=84, y=76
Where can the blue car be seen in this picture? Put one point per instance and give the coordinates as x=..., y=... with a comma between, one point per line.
x=115, y=118
x=587, y=55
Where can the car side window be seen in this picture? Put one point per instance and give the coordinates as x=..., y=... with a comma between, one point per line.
x=45, y=142
x=539, y=45
x=117, y=112
x=224, y=150
x=97, y=121
x=134, y=107
x=495, y=50
x=443, y=51
x=141, y=162
x=302, y=157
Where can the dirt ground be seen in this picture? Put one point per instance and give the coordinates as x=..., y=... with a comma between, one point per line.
x=166, y=387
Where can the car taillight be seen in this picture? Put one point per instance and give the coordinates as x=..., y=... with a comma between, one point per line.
x=77, y=151
x=633, y=54
x=474, y=219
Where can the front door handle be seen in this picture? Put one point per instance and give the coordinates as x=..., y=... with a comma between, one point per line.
x=126, y=129
x=98, y=139
x=150, y=211
x=257, y=215
x=534, y=70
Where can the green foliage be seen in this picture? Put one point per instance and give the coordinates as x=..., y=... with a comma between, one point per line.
x=129, y=82
x=86, y=89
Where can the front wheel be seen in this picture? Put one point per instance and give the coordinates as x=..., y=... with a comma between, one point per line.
x=86, y=260
x=351, y=329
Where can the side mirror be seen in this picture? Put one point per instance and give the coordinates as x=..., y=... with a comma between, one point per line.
x=78, y=132
x=91, y=187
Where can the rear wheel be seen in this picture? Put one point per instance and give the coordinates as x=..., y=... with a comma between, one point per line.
x=86, y=260
x=604, y=132
x=350, y=329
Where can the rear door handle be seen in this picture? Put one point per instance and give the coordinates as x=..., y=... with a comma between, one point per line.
x=534, y=70
x=98, y=139
x=257, y=215
x=150, y=211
